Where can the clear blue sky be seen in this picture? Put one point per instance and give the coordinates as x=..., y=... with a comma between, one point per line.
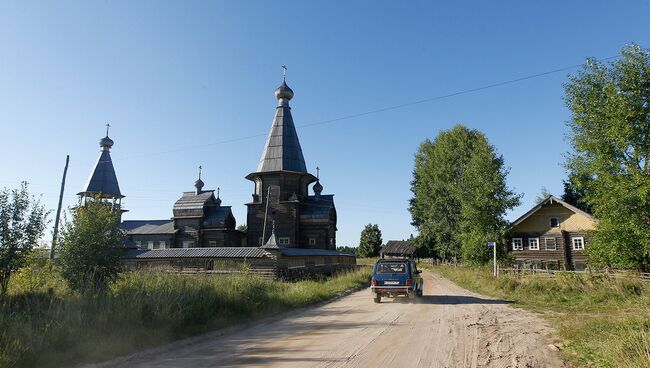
x=174, y=79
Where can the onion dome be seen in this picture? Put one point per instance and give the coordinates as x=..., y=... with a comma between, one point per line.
x=284, y=92
x=106, y=143
x=318, y=188
x=199, y=185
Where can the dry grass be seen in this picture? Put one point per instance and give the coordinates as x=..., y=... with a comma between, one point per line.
x=601, y=322
x=56, y=328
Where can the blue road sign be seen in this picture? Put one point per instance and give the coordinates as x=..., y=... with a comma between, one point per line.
x=492, y=244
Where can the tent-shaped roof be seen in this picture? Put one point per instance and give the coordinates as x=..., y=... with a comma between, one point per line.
x=103, y=180
x=282, y=151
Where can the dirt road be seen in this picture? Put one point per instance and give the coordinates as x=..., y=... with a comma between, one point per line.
x=447, y=327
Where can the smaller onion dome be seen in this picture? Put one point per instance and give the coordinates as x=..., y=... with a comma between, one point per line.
x=284, y=92
x=199, y=186
x=318, y=188
x=106, y=142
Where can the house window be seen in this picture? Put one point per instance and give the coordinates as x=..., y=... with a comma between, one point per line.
x=554, y=222
x=284, y=241
x=517, y=244
x=549, y=244
x=188, y=243
x=162, y=244
x=150, y=245
x=533, y=244
x=213, y=243
x=312, y=241
x=138, y=244
x=578, y=243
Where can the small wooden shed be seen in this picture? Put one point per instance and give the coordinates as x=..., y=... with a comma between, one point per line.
x=398, y=249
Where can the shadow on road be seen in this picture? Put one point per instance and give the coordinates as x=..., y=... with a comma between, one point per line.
x=448, y=300
x=456, y=299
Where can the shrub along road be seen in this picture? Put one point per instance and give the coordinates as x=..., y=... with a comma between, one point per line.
x=447, y=327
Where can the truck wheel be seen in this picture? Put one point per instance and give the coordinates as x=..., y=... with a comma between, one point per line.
x=377, y=299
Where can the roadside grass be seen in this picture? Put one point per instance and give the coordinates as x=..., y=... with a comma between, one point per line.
x=43, y=324
x=367, y=261
x=601, y=321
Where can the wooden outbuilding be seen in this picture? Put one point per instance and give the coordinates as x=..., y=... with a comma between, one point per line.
x=398, y=249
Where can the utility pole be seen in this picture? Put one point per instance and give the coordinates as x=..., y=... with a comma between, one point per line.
x=266, y=211
x=58, y=209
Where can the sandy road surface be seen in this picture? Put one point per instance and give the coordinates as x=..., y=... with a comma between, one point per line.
x=447, y=327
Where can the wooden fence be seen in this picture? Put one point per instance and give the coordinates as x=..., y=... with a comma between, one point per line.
x=617, y=274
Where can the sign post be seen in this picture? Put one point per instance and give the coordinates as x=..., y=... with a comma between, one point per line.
x=494, y=252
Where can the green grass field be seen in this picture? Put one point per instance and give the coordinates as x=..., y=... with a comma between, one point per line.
x=43, y=324
x=601, y=322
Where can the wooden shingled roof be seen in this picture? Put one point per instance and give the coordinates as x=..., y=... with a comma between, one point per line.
x=398, y=248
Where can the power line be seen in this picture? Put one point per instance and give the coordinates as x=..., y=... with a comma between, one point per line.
x=377, y=111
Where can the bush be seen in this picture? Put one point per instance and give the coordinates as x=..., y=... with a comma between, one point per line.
x=91, y=247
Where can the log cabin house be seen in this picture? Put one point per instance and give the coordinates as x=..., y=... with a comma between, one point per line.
x=553, y=235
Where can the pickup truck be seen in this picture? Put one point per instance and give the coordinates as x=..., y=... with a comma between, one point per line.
x=394, y=277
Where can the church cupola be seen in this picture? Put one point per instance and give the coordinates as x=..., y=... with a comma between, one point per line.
x=102, y=183
x=318, y=189
x=218, y=200
x=199, y=184
x=283, y=94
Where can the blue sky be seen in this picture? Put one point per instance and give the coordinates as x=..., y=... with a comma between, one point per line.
x=182, y=82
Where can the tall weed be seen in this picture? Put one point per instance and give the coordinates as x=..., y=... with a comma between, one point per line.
x=46, y=325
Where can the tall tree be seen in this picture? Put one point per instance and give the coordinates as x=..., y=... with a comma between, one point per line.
x=543, y=194
x=22, y=222
x=460, y=195
x=91, y=247
x=610, y=135
x=575, y=195
x=370, y=242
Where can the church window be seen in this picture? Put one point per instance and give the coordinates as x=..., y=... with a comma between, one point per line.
x=312, y=241
x=162, y=244
x=554, y=222
x=188, y=243
x=138, y=244
x=213, y=243
x=331, y=241
x=150, y=245
x=284, y=241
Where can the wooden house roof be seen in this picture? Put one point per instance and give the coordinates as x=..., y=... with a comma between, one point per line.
x=398, y=247
x=550, y=200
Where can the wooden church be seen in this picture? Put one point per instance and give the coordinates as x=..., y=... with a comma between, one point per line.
x=290, y=230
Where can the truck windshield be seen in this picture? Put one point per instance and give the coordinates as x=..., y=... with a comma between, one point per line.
x=391, y=268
